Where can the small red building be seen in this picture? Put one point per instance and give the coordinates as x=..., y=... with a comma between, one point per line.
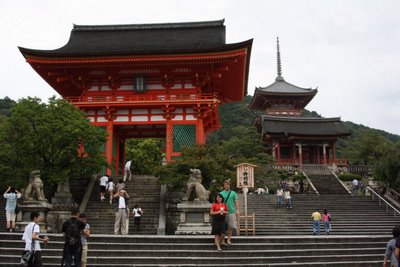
x=291, y=137
x=148, y=80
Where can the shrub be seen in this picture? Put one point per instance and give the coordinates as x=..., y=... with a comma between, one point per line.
x=350, y=177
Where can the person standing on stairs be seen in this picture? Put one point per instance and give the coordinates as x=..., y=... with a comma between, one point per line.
x=316, y=217
x=279, y=197
x=12, y=195
x=120, y=185
x=391, y=249
x=121, y=212
x=103, y=185
x=110, y=188
x=84, y=235
x=288, y=198
x=232, y=201
x=127, y=170
x=137, y=216
x=326, y=219
x=218, y=211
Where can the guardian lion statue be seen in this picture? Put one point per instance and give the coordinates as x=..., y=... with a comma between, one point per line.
x=34, y=190
x=194, y=182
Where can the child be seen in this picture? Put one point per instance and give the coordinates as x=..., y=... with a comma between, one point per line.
x=110, y=188
x=137, y=214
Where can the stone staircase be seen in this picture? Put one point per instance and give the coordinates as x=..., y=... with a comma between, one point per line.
x=163, y=251
x=143, y=190
x=350, y=215
x=327, y=184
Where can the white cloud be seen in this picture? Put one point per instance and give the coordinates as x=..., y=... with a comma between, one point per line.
x=350, y=49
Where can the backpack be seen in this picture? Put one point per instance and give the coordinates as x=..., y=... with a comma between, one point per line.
x=72, y=234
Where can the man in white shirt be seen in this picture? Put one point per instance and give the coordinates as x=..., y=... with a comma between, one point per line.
x=355, y=187
x=127, y=170
x=121, y=212
x=31, y=238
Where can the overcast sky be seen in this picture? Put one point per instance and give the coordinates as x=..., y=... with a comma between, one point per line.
x=349, y=49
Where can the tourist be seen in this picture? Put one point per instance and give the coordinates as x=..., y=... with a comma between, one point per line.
x=84, y=235
x=232, y=201
x=301, y=186
x=391, y=248
x=279, y=197
x=103, y=185
x=72, y=229
x=218, y=210
x=326, y=219
x=127, y=170
x=137, y=215
x=110, y=188
x=31, y=238
x=316, y=217
x=120, y=185
x=12, y=195
x=355, y=187
x=288, y=198
x=121, y=212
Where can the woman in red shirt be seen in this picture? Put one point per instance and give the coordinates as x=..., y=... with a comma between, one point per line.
x=218, y=211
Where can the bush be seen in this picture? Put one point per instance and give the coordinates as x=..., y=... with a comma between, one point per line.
x=350, y=177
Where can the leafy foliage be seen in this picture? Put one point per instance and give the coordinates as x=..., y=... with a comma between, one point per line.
x=48, y=137
x=350, y=177
x=387, y=167
x=144, y=153
x=5, y=108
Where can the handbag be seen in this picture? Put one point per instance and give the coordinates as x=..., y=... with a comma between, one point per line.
x=28, y=256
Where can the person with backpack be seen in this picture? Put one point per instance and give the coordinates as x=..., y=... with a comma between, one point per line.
x=326, y=219
x=72, y=229
x=137, y=215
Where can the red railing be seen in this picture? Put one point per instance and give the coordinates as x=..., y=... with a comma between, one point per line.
x=145, y=98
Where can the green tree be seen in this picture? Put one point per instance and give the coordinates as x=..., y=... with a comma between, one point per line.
x=145, y=154
x=49, y=137
x=366, y=148
x=387, y=167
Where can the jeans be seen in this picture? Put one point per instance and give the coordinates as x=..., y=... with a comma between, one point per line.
x=72, y=251
x=316, y=225
x=327, y=227
x=279, y=200
x=289, y=202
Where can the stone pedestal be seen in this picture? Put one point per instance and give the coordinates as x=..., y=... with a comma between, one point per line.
x=63, y=194
x=26, y=207
x=194, y=218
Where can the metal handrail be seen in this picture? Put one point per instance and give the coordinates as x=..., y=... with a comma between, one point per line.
x=380, y=199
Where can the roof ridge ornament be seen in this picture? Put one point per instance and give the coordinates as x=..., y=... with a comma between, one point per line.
x=279, y=78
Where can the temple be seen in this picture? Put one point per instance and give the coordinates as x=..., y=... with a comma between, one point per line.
x=148, y=80
x=289, y=136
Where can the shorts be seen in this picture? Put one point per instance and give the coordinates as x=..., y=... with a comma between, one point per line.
x=232, y=221
x=10, y=215
x=102, y=189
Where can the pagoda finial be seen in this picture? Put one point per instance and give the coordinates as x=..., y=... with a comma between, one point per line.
x=278, y=54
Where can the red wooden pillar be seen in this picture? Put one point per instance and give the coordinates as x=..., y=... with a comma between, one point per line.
x=117, y=153
x=169, y=141
x=109, y=144
x=278, y=147
x=200, y=136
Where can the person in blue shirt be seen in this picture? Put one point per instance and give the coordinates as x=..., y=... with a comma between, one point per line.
x=12, y=195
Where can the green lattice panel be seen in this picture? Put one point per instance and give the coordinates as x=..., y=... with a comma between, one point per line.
x=184, y=135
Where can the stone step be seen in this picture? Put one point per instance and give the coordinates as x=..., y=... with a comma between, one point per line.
x=110, y=250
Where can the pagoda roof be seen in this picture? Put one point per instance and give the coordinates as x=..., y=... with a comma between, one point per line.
x=163, y=38
x=303, y=126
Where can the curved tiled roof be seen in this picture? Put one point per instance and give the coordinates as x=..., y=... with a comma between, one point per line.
x=311, y=126
x=92, y=40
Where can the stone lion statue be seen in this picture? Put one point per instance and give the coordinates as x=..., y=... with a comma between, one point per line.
x=34, y=190
x=194, y=182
